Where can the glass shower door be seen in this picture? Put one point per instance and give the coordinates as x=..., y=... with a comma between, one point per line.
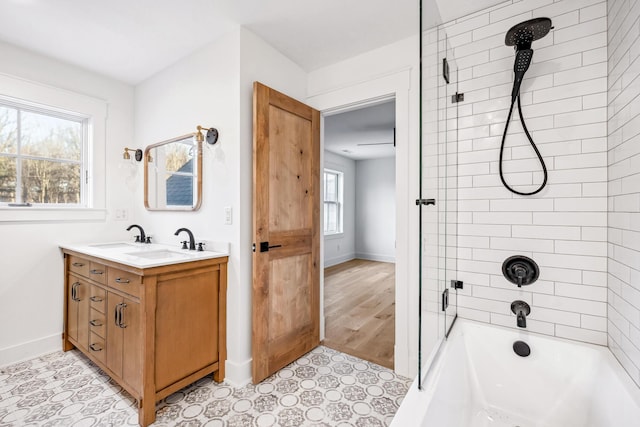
x=438, y=191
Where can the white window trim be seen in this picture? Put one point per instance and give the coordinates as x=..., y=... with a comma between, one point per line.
x=340, y=203
x=25, y=92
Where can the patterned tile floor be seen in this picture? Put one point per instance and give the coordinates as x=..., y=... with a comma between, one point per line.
x=323, y=388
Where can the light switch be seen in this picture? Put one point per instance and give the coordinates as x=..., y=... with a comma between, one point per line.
x=227, y=215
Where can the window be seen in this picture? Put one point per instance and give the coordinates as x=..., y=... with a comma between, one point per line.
x=42, y=156
x=333, y=182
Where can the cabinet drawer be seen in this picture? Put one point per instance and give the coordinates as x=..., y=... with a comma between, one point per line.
x=98, y=272
x=97, y=347
x=97, y=323
x=79, y=265
x=124, y=281
x=98, y=298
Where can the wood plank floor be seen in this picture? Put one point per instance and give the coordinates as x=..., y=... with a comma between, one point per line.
x=359, y=308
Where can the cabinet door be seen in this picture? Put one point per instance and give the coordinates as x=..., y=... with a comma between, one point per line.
x=124, y=351
x=78, y=311
x=132, y=344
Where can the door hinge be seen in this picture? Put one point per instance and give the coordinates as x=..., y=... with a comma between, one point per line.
x=426, y=202
x=445, y=299
x=458, y=97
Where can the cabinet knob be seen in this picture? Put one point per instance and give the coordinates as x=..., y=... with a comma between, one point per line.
x=96, y=272
x=95, y=323
x=96, y=299
x=123, y=281
x=95, y=347
x=78, y=264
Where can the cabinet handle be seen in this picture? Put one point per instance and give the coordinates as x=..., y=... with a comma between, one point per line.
x=119, y=315
x=78, y=264
x=96, y=299
x=96, y=272
x=74, y=291
x=94, y=348
x=116, y=315
x=96, y=323
x=124, y=281
x=122, y=307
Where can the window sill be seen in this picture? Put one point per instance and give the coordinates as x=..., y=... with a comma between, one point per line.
x=17, y=214
x=334, y=236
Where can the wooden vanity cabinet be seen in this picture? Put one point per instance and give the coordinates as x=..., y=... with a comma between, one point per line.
x=153, y=330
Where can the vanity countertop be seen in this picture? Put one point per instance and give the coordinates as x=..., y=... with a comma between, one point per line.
x=141, y=255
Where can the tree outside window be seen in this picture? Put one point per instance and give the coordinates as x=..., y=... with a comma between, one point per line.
x=41, y=156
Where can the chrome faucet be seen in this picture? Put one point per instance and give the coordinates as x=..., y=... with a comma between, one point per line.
x=142, y=238
x=521, y=309
x=192, y=241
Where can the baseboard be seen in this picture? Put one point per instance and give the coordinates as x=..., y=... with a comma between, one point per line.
x=376, y=257
x=339, y=260
x=30, y=349
x=238, y=374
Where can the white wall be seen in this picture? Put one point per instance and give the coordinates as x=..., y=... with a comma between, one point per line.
x=31, y=289
x=375, y=217
x=624, y=184
x=563, y=228
x=341, y=247
x=213, y=87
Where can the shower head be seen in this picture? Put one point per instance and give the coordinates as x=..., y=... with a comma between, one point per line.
x=523, y=34
x=523, y=60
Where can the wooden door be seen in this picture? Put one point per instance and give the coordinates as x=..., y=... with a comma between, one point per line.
x=286, y=222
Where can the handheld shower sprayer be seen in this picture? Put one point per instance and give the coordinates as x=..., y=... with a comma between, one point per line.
x=521, y=36
x=523, y=60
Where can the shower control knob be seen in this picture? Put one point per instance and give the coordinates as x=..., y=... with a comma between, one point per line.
x=520, y=270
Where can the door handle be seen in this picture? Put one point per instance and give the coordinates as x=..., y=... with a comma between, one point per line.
x=264, y=246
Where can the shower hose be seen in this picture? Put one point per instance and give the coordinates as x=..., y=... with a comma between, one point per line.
x=533, y=144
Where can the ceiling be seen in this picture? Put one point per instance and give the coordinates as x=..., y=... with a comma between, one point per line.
x=132, y=40
x=366, y=133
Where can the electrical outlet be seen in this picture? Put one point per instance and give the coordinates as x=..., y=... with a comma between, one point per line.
x=228, y=215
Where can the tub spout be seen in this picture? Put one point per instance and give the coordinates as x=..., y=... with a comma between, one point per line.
x=521, y=309
x=522, y=320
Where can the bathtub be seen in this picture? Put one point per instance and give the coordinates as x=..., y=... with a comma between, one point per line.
x=476, y=380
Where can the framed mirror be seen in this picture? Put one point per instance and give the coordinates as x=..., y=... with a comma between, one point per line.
x=173, y=174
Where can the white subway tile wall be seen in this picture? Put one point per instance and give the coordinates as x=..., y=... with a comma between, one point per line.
x=624, y=183
x=563, y=228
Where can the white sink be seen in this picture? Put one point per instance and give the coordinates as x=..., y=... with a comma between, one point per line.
x=116, y=245
x=147, y=255
x=158, y=254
